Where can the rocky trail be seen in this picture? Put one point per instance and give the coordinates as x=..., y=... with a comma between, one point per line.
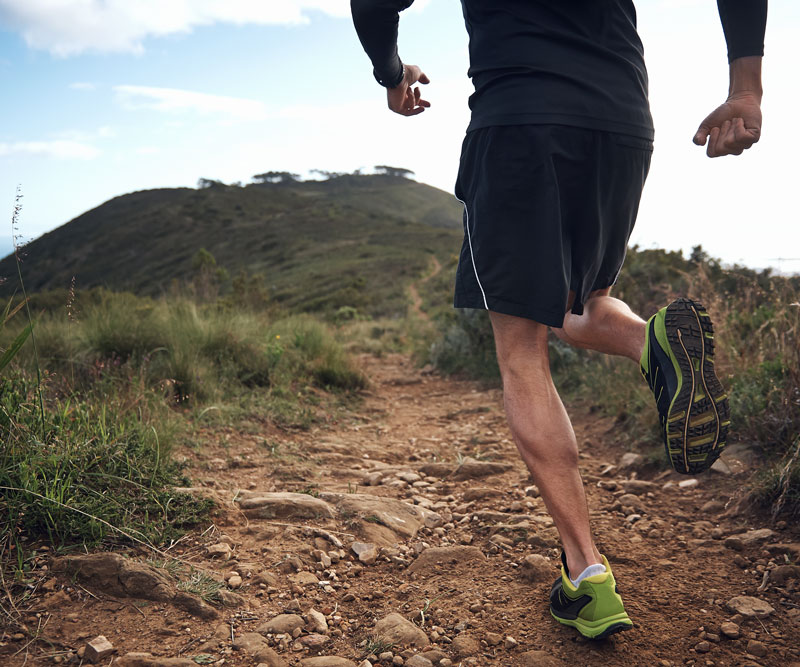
x=410, y=534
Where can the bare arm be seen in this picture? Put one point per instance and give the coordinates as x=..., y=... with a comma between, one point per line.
x=735, y=125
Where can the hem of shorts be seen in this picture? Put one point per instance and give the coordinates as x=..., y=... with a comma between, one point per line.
x=571, y=120
x=540, y=315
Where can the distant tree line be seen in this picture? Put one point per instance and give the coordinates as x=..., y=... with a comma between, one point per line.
x=287, y=177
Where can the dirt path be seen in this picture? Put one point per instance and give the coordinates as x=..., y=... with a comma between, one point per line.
x=480, y=600
x=413, y=289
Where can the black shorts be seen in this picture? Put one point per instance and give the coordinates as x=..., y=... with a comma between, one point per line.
x=547, y=209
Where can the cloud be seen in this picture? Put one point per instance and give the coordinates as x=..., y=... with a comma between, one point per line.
x=70, y=27
x=177, y=100
x=61, y=149
x=82, y=85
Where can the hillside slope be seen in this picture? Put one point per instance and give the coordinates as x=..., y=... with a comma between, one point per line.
x=349, y=241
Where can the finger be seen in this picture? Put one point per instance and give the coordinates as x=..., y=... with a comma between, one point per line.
x=713, y=136
x=744, y=136
x=424, y=103
x=417, y=95
x=701, y=135
x=423, y=78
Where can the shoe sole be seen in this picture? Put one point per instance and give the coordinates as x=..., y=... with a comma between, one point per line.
x=598, y=629
x=698, y=420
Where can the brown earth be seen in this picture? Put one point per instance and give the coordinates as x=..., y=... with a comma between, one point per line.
x=454, y=558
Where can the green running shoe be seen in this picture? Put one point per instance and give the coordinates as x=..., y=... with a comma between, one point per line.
x=678, y=364
x=594, y=608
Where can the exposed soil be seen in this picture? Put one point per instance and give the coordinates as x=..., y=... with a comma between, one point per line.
x=671, y=548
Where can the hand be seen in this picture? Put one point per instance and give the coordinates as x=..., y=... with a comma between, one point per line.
x=405, y=100
x=732, y=127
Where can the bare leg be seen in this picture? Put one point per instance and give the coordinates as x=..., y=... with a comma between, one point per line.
x=543, y=433
x=607, y=325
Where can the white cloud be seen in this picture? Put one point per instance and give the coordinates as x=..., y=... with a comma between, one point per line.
x=177, y=100
x=70, y=27
x=82, y=85
x=61, y=149
x=147, y=150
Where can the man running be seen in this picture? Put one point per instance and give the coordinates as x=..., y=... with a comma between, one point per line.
x=552, y=170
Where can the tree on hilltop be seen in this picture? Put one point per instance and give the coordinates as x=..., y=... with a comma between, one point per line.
x=386, y=170
x=204, y=183
x=276, y=177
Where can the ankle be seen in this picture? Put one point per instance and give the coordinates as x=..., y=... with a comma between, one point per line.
x=578, y=562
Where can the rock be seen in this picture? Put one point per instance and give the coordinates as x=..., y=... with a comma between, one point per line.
x=267, y=657
x=721, y=467
x=316, y=622
x=281, y=624
x=734, y=543
x=221, y=550
x=366, y=551
x=230, y=599
x=304, y=578
x=537, y=569
x=630, y=500
x=752, y=537
x=532, y=491
x=253, y=644
x=688, y=483
x=365, y=663
x=510, y=643
x=147, y=660
x=449, y=557
x=538, y=659
x=790, y=549
x=493, y=639
x=445, y=662
x=285, y=505
x=195, y=605
x=314, y=642
x=465, y=646
x=712, y=507
x=402, y=518
x=637, y=486
x=327, y=661
x=750, y=607
x=702, y=647
x=469, y=468
x=756, y=648
x=396, y=629
x=730, y=630
x=783, y=572
x=480, y=492
x=97, y=649
x=418, y=661
x=630, y=460
x=114, y=575
x=235, y=581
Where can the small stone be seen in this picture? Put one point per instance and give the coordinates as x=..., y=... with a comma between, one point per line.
x=282, y=624
x=510, y=643
x=98, y=649
x=532, y=491
x=221, y=550
x=703, y=647
x=445, y=662
x=493, y=639
x=313, y=642
x=688, y=483
x=536, y=568
x=740, y=561
x=365, y=663
x=750, y=607
x=235, y=581
x=464, y=646
x=630, y=460
x=418, y=661
x=756, y=648
x=316, y=622
x=730, y=630
x=398, y=661
x=366, y=551
x=396, y=629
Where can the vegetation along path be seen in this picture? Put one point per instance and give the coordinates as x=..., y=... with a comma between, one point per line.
x=409, y=533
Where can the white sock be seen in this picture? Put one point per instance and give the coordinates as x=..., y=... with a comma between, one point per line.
x=597, y=568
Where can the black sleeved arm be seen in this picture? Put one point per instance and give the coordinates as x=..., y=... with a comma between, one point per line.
x=744, y=23
x=376, y=24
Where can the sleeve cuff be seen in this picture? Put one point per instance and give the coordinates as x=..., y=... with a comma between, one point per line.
x=391, y=81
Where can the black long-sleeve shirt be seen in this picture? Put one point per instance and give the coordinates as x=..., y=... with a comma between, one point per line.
x=569, y=62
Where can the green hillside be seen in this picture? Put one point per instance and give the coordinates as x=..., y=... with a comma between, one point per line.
x=351, y=240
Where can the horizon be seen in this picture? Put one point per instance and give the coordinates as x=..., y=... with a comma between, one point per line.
x=105, y=103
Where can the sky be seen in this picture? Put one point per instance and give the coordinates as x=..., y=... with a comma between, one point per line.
x=105, y=97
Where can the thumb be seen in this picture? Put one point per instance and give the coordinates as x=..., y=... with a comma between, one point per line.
x=423, y=78
x=701, y=135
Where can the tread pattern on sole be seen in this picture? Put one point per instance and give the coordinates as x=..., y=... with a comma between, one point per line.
x=697, y=424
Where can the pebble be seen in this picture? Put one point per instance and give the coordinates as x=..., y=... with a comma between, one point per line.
x=703, y=647
x=688, y=483
x=729, y=630
x=493, y=639
x=750, y=607
x=756, y=648
x=510, y=643
x=366, y=551
x=98, y=649
x=235, y=581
